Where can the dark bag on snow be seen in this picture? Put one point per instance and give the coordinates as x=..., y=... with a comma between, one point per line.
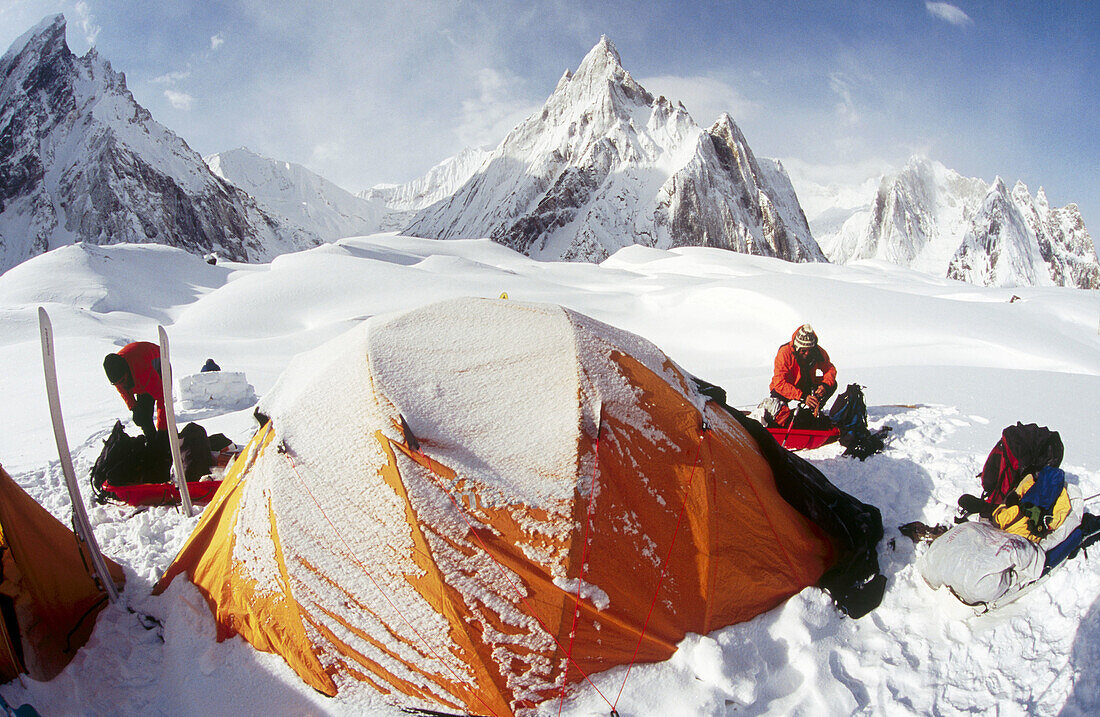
x=1022, y=450
x=128, y=460
x=849, y=415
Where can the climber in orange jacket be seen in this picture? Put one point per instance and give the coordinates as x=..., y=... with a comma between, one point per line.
x=135, y=372
x=803, y=371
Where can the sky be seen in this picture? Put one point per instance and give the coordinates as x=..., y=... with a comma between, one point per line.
x=376, y=92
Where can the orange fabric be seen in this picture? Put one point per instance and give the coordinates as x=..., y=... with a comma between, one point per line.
x=272, y=623
x=56, y=601
x=788, y=374
x=740, y=550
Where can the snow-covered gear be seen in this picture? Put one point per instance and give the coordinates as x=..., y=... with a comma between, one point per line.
x=490, y=465
x=981, y=563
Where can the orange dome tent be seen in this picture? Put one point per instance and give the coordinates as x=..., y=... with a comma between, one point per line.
x=476, y=504
x=48, y=607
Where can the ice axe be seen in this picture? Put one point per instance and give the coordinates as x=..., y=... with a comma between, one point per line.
x=794, y=415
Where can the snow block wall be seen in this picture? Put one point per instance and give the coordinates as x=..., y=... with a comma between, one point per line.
x=225, y=390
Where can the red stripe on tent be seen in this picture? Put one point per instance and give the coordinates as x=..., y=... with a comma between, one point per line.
x=584, y=559
x=285, y=450
x=704, y=434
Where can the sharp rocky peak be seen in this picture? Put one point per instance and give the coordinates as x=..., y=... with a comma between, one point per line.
x=123, y=176
x=49, y=34
x=600, y=71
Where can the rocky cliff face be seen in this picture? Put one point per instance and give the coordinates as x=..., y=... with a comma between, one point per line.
x=934, y=220
x=80, y=160
x=605, y=165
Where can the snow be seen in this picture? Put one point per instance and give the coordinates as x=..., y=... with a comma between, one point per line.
x=945, y=364
x=298, y=196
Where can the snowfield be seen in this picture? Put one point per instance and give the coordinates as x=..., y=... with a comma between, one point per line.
x=946, y=365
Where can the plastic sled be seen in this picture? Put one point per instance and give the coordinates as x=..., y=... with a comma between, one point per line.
x=162, y=493
x=803, y=439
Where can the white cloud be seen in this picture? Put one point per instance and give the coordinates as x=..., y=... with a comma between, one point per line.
x=497, y=109
x=949, y=13
x=179, y=100
x=217, y=41
x=325, y=153
x=170, y=78
x=706, y=98
x=846, y=111
x=87, y=22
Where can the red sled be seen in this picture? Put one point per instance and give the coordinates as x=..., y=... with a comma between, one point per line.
x=803, y=439
x=162, y=493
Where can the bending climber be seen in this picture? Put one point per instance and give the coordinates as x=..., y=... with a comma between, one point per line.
x=135, y=372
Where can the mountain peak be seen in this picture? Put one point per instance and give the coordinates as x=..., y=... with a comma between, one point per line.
x=725, y=127
x=603, y=53
x=604, y=165
x=601, y=65
x=47, y=38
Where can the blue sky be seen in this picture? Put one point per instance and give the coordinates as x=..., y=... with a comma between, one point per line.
x=369, y=92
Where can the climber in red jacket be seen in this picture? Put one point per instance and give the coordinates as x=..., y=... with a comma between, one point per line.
x=803, y=371
x=135, y=372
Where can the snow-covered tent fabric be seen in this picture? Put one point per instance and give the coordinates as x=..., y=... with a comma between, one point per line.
x=48, y=600
x=475, y=504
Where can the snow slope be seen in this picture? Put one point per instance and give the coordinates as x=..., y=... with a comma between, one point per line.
x=946, y=365
x=297, y=196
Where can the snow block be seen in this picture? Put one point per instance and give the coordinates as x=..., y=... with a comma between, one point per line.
x=227, y=390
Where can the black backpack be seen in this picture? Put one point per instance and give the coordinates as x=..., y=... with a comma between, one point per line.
x=849, y=415
x=1022, y=450
x=126, y=460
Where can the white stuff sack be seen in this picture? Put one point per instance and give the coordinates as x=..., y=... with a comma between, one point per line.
x=981, y=563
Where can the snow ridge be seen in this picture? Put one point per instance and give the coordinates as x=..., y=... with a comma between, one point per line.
x=604, y=165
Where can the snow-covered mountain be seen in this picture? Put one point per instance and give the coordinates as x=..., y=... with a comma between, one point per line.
x=440, y=182
x=80, y=160
x=604, y=165
x=299, y=197
x=932, y=219
x=403, y=201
